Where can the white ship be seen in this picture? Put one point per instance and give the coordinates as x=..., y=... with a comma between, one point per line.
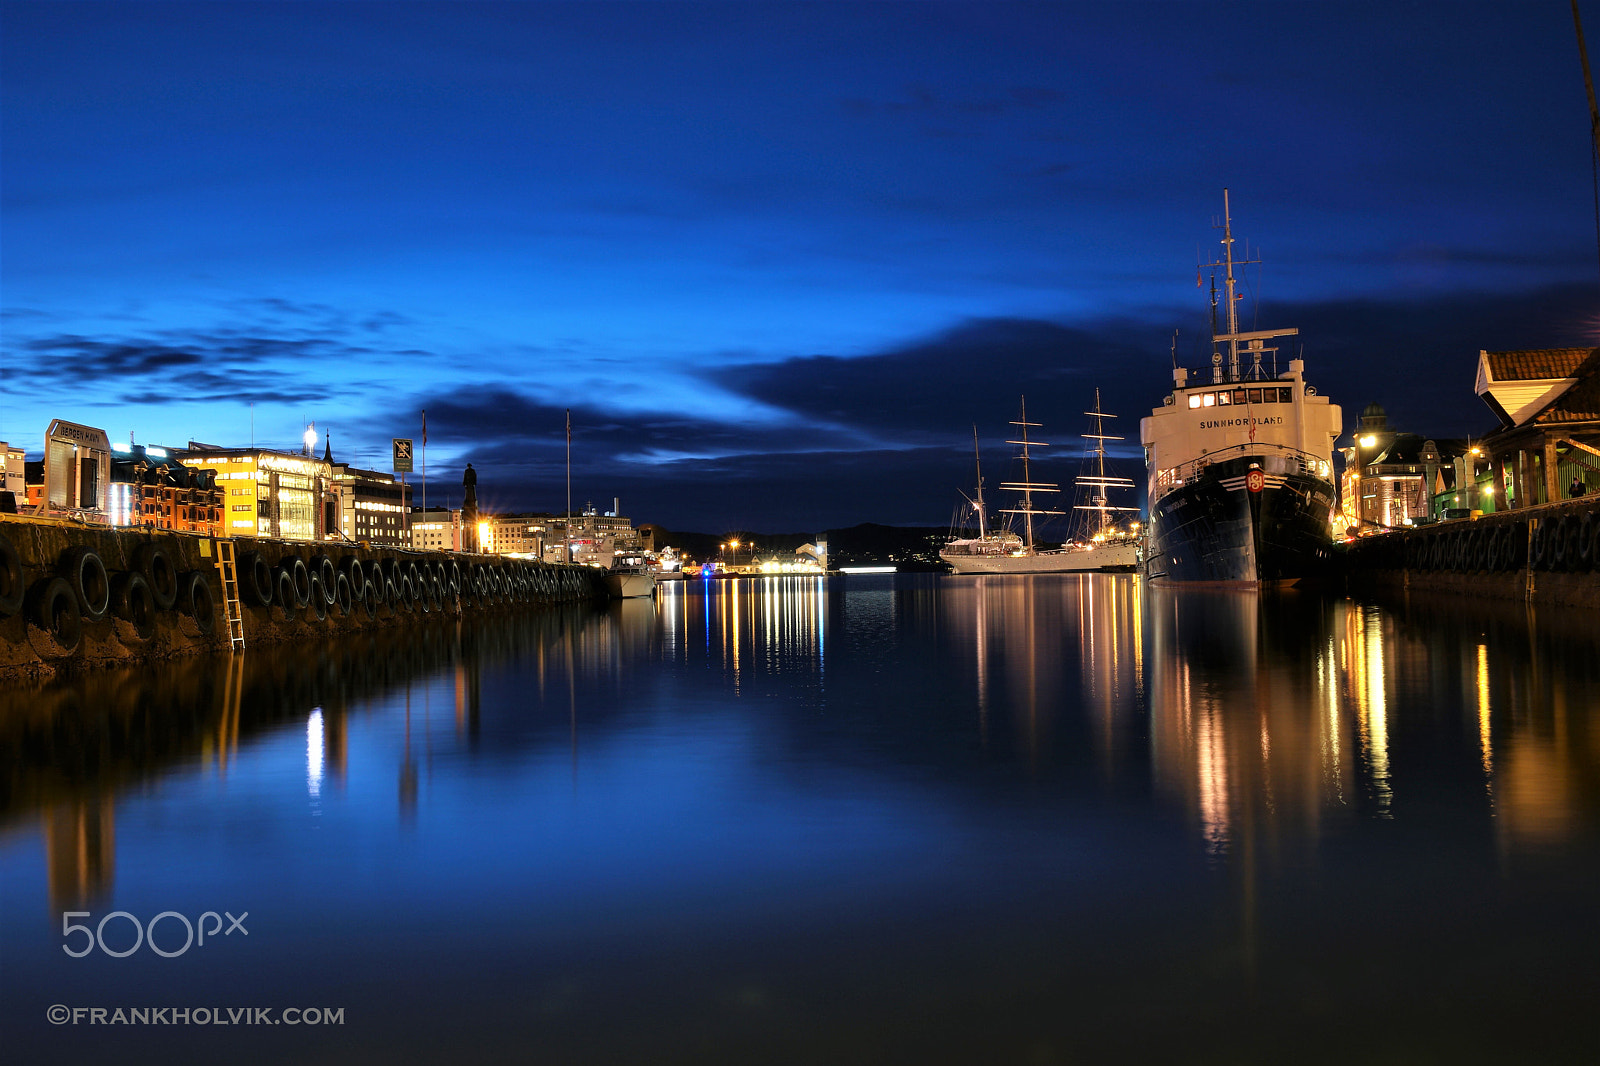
x=1006, y=552
x=1240, y=466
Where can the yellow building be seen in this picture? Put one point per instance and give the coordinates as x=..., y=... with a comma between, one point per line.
x=269, y=493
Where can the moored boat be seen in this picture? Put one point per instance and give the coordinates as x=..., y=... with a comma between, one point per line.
x=1240, y=463
x=1100, y=547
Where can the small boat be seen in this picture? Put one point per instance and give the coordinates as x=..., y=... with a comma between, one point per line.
x=630, y=577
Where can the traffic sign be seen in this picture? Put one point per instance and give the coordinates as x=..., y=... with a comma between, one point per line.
x=402, y=455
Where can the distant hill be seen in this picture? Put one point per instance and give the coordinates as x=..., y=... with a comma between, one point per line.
x=869, y=544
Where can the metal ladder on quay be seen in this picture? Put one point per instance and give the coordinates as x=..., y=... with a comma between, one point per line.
x=228, y=569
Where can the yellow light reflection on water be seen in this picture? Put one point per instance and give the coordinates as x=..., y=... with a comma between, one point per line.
x=1483, y=714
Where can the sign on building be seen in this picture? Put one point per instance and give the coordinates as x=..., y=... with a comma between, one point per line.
x=402, y=455
x=77, y=467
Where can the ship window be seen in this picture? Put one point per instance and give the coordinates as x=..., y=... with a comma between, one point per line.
x=1194, y=399
x=1224, y=399
x=1255, y=395
x=1209, y=399
x=1238, y=396
x=1286, y=395
x=1269, y=395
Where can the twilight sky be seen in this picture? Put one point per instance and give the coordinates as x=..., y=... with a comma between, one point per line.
x=777, y=258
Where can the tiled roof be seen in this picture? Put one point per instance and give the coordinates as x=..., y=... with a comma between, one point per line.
x=1581, y=403
x=1542, y=364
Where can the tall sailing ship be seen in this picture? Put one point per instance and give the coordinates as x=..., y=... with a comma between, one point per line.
x=1103, y=545
x=1240, y=462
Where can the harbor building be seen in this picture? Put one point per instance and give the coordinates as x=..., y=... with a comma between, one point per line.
x=370, y=506
x=1393, y=479
x=13, y=483
x=436, y=529
x=513, y=534
x=284, y=495
x=1548, y=440
x=149, y=487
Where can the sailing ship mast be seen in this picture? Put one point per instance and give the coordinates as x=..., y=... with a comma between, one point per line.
x=1027, y=486
x=977, y=459
x=1100, y=483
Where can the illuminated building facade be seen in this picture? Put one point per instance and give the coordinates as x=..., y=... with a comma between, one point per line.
x=513, y=534
x=12, y=478
x=268, y=493
x=371, y=506
x=592, y=535
x=1396, y=479
x=436, y=529
x=151, y=488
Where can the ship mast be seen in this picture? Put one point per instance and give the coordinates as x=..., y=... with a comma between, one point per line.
x=1027, y=486
x=1255, y=340
x=1100, y=483
x=977, y=460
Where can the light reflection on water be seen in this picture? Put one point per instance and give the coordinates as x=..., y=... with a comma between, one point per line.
x=793, y=819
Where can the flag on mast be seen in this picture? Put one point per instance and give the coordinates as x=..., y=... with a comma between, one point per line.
x=424, y=427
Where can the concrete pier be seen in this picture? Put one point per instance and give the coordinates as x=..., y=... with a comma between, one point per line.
x=80, y=597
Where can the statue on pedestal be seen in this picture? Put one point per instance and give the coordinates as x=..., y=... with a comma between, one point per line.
x=469, y=510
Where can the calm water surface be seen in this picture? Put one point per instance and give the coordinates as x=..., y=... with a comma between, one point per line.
x=846, y=820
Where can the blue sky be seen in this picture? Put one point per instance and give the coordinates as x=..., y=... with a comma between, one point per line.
x=776, y=258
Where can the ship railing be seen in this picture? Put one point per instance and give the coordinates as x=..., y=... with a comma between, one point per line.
x=1274, y=459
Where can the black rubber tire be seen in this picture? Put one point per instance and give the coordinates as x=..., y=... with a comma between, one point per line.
x=55, y=610
x=196, y=601
x=132, y=602
x=288, y=599
x=369, y=606
x=344, y=595
x=1571, y=539
x=256, y=580
x=85, y=571
x=317, y=600
x=13, y=591
x=155, y=563
x=1556, y=554
x=454, y=571
x=301, y=573
x=357, y=572
x=323, y=567
x=1589, y=541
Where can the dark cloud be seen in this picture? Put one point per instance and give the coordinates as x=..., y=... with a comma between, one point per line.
x=1417, y=357
x=937, y=388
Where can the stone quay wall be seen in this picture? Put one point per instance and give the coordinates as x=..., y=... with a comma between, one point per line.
x=79, y=597
x=1548, y=554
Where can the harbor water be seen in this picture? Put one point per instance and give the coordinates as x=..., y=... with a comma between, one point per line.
x=861, y=819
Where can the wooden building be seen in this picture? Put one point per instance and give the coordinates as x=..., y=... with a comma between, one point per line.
x=1548, y=440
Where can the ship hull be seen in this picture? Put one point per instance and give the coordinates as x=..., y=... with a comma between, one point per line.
x=1214, y=529
x=1116, y=557
x=628, y=585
